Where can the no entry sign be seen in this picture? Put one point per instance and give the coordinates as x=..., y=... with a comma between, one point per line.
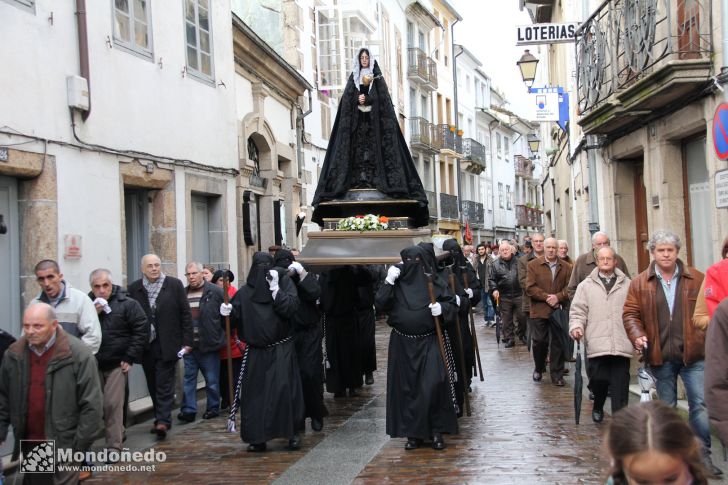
x=720, y=131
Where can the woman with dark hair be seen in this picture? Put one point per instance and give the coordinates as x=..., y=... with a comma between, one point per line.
x=651, y=443
x=366, y=148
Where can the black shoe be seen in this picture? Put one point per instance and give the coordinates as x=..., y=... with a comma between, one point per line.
x=317, y=424
x=510, y=343
x=597, y=416
x=537, y=376
x=437, y=442
x=412, y=444
x=558, y=382
x=187, y=417
x=566, y=371
x=257, y=447
x=210, y=415
x=353, y=392
x=161, y=430
x=295, y=442
x=368, y=379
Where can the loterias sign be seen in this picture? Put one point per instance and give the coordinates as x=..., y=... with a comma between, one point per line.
x=546, y=33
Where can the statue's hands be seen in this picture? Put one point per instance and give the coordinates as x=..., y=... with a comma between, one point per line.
x=362, y=99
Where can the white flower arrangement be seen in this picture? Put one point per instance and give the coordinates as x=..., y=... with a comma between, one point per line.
x=369, y=222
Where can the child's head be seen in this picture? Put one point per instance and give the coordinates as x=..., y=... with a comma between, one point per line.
x=650, y=443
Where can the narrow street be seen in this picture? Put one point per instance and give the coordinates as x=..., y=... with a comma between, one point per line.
x=519, y=432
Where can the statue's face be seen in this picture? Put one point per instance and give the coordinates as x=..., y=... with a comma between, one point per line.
x=364, y=59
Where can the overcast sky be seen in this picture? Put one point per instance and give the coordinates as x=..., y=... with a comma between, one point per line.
x=488, y=30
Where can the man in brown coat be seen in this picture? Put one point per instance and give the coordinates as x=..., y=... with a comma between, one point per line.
x=546, y=282
x=657, y=317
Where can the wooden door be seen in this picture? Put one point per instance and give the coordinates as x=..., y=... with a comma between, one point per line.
x=640, y=211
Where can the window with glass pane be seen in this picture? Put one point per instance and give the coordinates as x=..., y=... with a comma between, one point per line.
x=508, y=197
x=500, y=195
x=199, y=37
x=132, y=26
x=507, y=145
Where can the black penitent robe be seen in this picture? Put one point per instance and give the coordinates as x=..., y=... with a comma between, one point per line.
x=343, y=349
x=307, y=336
x=367, y=320
x=271, y=396
x=419, y=402
x=375, y=136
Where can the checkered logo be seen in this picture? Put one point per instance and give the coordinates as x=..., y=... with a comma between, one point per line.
x=37, y=456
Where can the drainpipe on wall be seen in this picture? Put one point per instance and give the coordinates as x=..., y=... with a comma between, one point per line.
x=83, y=50
x=724, y=35
x=455, y=103
x=300, y=137
x=592, y=162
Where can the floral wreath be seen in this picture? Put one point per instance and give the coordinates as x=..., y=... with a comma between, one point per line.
x=369, y=222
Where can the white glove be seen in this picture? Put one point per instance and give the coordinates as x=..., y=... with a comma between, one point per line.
x=182, y=352
x=273, y=282
x=392, y=275
x=457, y=300
x=469, y=292
x=226, y=309
x=104, y=304
x=435, y=309
x=296, y=266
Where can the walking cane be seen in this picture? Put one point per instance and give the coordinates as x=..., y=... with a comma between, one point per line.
x=472, y=327
x=441, y=340
x=226, y=299
x=459, y=334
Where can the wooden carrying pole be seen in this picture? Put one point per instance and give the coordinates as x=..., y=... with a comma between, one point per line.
x=472, y=329
x=226, y=299
x=438, y=328
x=459, y=334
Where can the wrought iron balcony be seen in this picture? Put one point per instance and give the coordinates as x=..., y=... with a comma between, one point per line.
x=417, y=67
x=432, y=73
x=446, y=137
x=635, y=57
x=420, y=133
x=474, y=213
x=449, y=206
x=473, y=155
x=431, y=203
x=524, y=167
x=522, y=216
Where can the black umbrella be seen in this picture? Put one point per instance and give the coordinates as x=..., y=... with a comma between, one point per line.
x=559, y=323
x=497, y=323
x=578, y=383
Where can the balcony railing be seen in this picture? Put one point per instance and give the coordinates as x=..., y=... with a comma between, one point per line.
x=473, y=153
x=417, y=67
x=625, y=41
x=522, y=214
x=432, y=73
x=474, y=213
x=445, y=137
x=448, y=206
x=420, y=133
x=431, y=203
x=524, y=167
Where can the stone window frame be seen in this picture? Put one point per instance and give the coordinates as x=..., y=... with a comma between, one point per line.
x=131, y=45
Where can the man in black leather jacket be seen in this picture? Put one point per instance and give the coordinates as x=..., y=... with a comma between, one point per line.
x=505, y=287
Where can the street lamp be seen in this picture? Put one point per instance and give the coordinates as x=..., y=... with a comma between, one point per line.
x=527, y=64
x=533, y=143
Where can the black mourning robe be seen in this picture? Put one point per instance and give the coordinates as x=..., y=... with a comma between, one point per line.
x=339, y=294
x=376, y=137
x=459, y=267
x=367, y=320
x=419, y=402
x=271, y=396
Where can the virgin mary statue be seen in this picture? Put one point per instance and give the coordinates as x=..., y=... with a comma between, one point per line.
x=367, y=149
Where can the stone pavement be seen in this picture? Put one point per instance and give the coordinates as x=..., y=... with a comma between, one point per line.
x=519, y=432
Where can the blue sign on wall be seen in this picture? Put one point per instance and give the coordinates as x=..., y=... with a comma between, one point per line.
x=563, y=103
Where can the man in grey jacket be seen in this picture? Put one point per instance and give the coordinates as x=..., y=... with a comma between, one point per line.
x=49, y=390
x=76, y=314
